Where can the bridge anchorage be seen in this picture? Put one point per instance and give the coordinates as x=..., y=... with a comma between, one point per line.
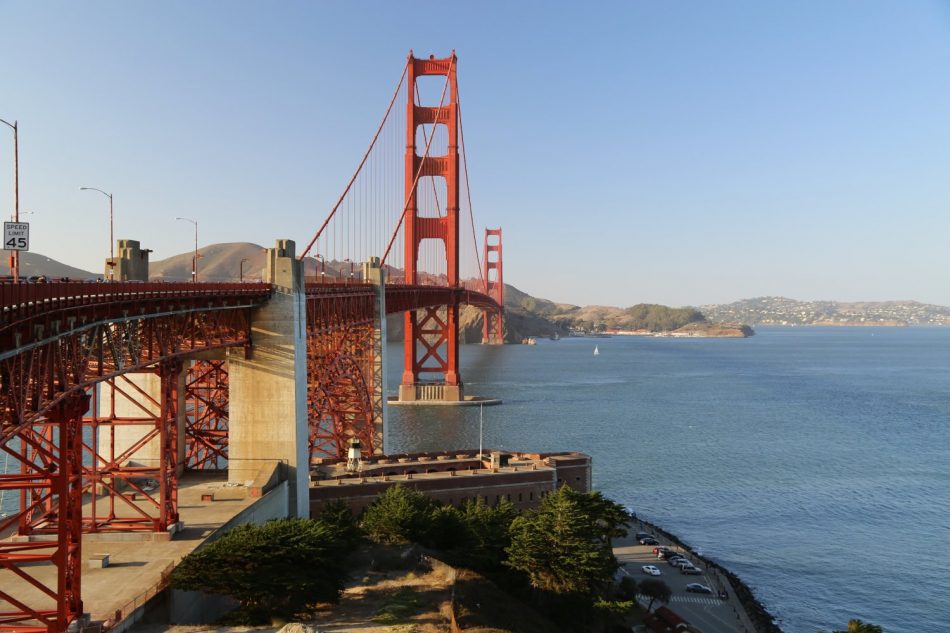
x=112, y=393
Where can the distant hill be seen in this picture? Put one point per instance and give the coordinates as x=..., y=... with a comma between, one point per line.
x=222, y=262
x=784, y=311
x=217, y=262
x=38, y=264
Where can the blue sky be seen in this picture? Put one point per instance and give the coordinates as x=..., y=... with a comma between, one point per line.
x=671, y=152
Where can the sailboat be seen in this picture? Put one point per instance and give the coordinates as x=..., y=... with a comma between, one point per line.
x=596, y=351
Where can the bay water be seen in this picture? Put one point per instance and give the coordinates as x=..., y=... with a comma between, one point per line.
x=812, y=462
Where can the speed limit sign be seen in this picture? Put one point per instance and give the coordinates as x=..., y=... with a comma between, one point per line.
x=16, y=236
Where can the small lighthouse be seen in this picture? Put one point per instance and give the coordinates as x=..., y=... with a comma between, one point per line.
x=354, y=456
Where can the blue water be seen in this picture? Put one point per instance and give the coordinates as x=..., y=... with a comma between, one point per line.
x=812, y=462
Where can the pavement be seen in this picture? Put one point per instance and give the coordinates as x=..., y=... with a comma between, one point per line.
x=707, y=612
x=135, y=566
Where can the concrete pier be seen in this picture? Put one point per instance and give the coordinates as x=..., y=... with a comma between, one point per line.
x=268, y=385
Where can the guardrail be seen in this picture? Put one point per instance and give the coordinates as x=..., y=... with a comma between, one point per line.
x=105, y=622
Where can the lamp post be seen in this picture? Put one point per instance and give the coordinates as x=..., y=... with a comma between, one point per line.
x=323, y=266
x=111, y=240
x=242, y=269
x=194, y=267
x=15, y=255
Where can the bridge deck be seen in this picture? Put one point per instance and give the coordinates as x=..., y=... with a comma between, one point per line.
x=136, y=566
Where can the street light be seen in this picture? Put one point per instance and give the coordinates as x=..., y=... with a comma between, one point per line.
x=111, y=240
x=15, y=255
x=323, y=266
x=194, y=268
x=242, y=269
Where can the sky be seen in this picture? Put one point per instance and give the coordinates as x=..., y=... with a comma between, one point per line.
x=666, y=152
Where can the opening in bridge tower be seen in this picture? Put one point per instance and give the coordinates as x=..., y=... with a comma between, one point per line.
x=430, y=368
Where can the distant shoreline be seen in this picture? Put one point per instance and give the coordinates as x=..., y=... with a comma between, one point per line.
x=855, y=324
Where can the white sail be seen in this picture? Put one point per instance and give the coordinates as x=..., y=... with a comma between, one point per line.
x=596, y=351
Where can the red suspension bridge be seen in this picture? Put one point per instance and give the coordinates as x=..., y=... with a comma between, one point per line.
x=109, y=391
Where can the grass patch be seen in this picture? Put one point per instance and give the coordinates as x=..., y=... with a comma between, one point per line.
x=404, y=604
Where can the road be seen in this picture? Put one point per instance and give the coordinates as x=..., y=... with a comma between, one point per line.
x=706, y=612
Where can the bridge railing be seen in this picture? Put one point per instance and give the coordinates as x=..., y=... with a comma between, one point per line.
x=22, y=300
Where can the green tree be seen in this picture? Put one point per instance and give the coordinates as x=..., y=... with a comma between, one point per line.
x=559, y=546
x=399, y=515
x=278, y=568
x=627, y=589
x=444, y=528
x=338, y=517
x=857, y=626
x=656, y=591
x=489, y=533
x=610, y=517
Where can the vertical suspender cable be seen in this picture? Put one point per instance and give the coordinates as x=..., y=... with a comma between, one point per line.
x=468, y=191
x=362, y=162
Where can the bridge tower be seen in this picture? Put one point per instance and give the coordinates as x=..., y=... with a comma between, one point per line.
x=493, y=332
x=432, y=334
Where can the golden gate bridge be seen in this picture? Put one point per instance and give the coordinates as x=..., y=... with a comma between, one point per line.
x=94, y=374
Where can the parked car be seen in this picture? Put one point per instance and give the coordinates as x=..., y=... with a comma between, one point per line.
x=661, y=548
x=641, y=535
x=681, y=563
x=690, y=570
x=667, y=554
x=651, y=570
x=696, y=587
x=649, y=540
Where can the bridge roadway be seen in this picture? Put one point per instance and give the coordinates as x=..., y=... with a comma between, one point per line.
x=138, y=561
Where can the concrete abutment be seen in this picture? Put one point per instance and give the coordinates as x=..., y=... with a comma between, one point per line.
x=268, y=385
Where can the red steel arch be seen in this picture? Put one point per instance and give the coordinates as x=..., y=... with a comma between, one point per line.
x=56, y=341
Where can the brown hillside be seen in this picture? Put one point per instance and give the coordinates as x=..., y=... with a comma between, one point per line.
x=222, y=262
x=216, y=262
x=38, y=264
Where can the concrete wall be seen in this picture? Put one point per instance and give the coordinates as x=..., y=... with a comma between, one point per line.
x=273, y=505
x=524, y=489
x=268, y=388
x=195, y=607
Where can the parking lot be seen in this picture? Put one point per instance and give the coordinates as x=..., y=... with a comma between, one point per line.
x=707, y=612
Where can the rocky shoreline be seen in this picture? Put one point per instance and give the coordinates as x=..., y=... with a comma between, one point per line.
x=763, y=620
